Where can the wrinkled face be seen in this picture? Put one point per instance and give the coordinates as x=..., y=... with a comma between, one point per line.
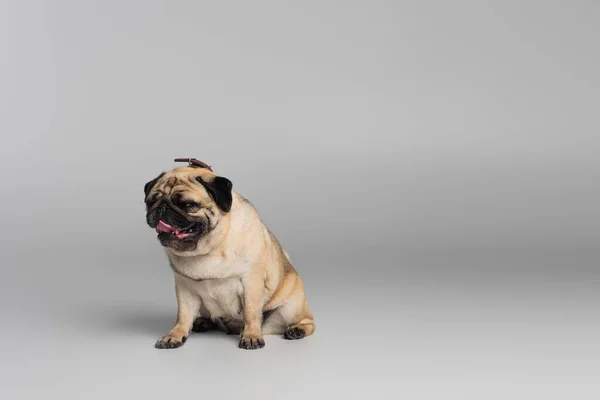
x=185, y=205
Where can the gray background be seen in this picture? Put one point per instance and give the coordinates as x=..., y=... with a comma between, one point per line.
x=431, y=167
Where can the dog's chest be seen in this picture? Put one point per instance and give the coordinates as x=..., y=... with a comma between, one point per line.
x=221, y=297
x=209, y=267
x=217, y=281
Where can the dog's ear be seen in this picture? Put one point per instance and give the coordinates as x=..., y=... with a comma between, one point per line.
x=148, y=186
x=220, y=190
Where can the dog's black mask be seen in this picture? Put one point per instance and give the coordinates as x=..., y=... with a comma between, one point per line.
x=175, y=229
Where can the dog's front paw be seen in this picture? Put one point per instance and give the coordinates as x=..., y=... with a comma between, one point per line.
x=170, y=341
x=251, y=343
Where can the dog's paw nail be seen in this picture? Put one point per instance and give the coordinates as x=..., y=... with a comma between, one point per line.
x=248, y=343
x=169, y=342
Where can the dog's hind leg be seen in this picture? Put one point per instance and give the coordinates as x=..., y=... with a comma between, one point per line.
x=290, y=323
x=305, y=327
x=233, y=327
x=293, y=318
x=204, y=323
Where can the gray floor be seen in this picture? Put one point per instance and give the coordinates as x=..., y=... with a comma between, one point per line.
x=435, y=330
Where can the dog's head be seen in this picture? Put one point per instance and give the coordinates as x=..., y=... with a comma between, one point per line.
x=185, y=206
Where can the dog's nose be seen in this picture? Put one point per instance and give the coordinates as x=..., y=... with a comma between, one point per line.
x=161, y=210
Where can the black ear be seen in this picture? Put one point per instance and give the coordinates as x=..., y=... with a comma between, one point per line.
x=220, y=190
x=148, y=186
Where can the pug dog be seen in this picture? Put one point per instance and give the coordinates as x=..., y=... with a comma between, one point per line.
x=230, y=271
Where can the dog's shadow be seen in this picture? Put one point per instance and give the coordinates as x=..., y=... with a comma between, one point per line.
x=137, y=321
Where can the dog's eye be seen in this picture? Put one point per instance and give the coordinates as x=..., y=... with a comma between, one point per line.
x=190, y=206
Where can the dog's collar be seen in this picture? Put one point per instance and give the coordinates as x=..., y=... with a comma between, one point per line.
x=192, y=162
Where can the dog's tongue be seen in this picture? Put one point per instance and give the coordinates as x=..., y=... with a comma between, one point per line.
x=163, y=227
